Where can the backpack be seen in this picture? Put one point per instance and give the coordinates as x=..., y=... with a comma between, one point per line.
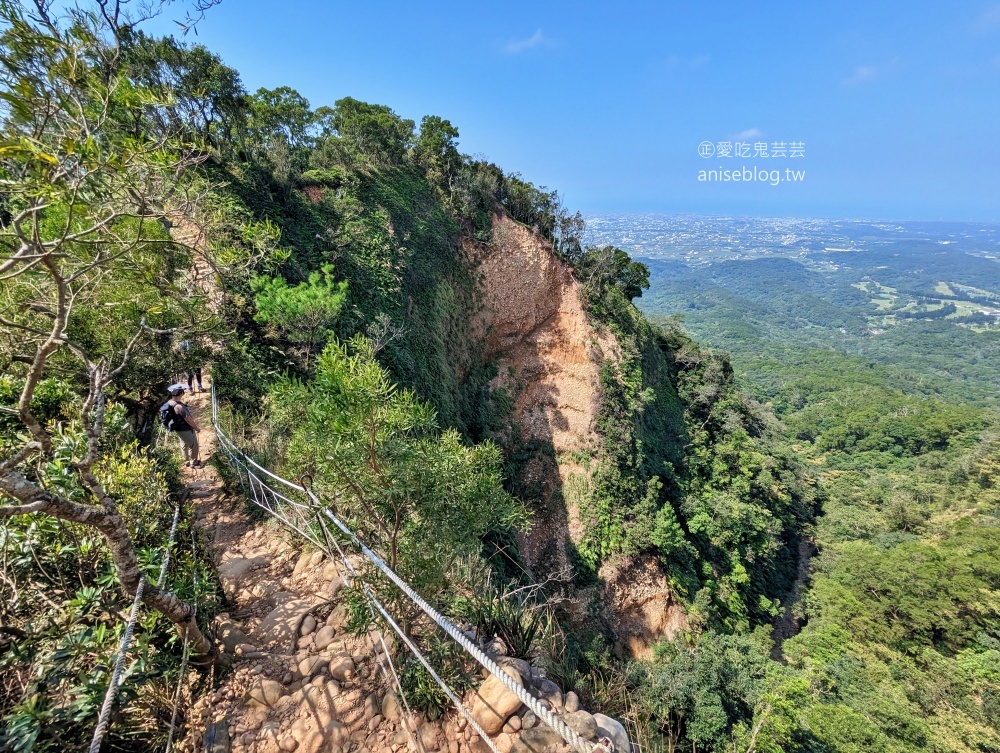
x=169, y=419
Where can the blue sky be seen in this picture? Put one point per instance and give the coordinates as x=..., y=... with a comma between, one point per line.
x=897, y=104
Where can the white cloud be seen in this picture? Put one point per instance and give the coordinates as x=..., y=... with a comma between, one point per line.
x=862, y=75
x=749, y=133
x=520, y=45
x=989, y=20
x=700, y=62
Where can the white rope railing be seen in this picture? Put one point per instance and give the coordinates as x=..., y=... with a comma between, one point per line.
x=240, y=459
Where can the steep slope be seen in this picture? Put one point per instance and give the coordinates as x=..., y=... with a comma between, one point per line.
x=549, y=356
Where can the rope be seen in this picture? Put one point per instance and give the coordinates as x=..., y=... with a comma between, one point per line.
x=575, y=741
x=116, y=676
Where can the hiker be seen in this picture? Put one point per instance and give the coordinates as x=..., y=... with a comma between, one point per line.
x=192, y=373
x=175, y=417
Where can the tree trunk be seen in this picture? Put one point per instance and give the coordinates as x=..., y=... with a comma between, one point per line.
x=34, y=499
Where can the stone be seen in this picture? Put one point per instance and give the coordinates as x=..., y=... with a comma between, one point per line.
x=315, y=560
x=514, y=723
x=304, y=642
x=614, y=731
x=529, y=720
x=453, y=746
x=571, y=702
x=339, y=617
x=370, y=706
x=550, y=692
x=582, y=723
x=335, y=586
x=330, y=571
x=428, y=735
x=522, y=667
x=390, y=707
x=288, y=744
x=236, y=568
x=342, y=668
x=308, y=625
x=246, y=648
x=264, y=693
x=494, y=703
x=231, y=636
x=375, y=722
x=324, y=637
x=504, y=742
x=310, y=666
x=280, y=625
x=537, y=740
x=301, y=563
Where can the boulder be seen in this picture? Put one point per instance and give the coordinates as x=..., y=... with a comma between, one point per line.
x=582, y=723
x=390, y=707
x=494, y=703
x=522, y=667
x=542, y=739
x=342, y=668
x=280, y=625
x=324, y=637
x=529, y=720
x=338, y=618
x=428, y=734
x=550, y=692
x=308, y=625
x=264, y=693
x=310, y=666
x=231, y=636
x=572, y=702
x=302, y=563
x=614, y=731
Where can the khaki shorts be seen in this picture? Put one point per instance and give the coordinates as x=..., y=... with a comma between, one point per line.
x=189, y=445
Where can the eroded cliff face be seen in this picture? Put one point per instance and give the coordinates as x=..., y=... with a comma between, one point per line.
x=549, y=354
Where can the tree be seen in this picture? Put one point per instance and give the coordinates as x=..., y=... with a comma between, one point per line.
x=420, y=497
x=437, y=152
x=303, y=313
x=89, y=274
x=605, y=266
x=372, y=132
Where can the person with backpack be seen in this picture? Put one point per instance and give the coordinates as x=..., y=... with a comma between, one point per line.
x=176, y=417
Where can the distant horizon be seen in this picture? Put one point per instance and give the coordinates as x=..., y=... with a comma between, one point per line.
x=729, y=215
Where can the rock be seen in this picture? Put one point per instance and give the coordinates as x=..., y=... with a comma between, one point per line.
x=453, y=746
x=582, y=723
x=264, y=588
x=572, y=702
x=231, y=636
x=375, y=722
x=339, y=617
x=614, y=731
x=529, y=720
x=324, y=637
x=288, y=744
x=537, y=740
x=514, y=723
x=335, y=586
x=308, y=625
x=428, y=735
x=494, y=703
x=522, y=667
x=301, y=563
x=330, y=571
x=342, y=668
x=370, y=706
x=310, y=666
x=550, y=692
x=232, y=572
x=280, y=625
x=264, y=693
x=504, y=742
x=478, y=745
x=245, y=648
x=315, y=560
x=390, y=707
x=304, y=642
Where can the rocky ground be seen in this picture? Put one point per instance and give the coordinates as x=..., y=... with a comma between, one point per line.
x=299, y=682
